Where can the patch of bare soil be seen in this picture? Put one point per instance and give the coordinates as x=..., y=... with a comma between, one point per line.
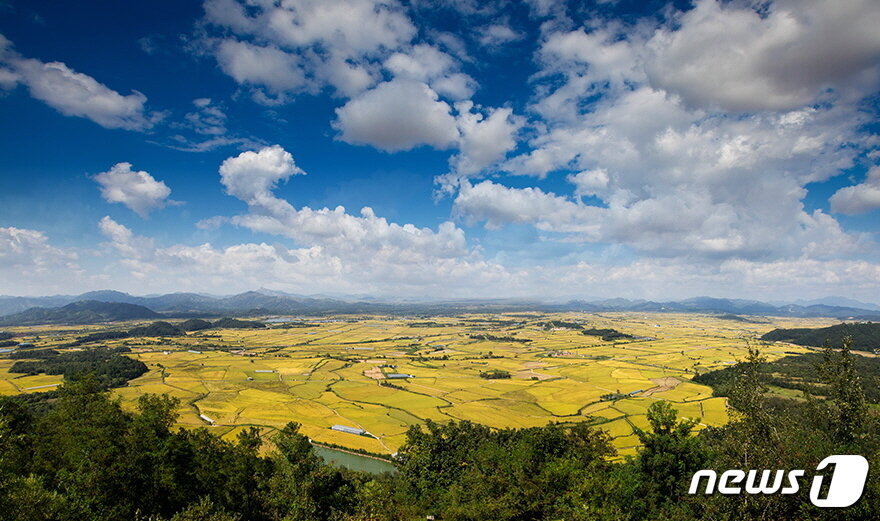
x=528, y=375
x=667, y=383
x=375, y=373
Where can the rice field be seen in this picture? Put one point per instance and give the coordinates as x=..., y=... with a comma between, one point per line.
x=335, y=371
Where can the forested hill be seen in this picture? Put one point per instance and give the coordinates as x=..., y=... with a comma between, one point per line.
x=82, y=312
x=865, y=336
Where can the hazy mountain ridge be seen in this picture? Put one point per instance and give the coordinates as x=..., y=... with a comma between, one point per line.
x=86, y=307
x=80, y=312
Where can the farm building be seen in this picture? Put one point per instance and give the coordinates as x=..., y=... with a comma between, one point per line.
x=193, y=351
x=264, y=370
x=25, y=344
x=350, y=430
x=398, y=375
x=207, y=420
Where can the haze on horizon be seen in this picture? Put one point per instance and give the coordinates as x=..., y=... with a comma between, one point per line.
x=454, y=149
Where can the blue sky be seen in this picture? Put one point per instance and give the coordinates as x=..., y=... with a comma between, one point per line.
x=441, y=149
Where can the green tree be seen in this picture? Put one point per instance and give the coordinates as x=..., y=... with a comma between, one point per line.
x=848, y=407
x=670, y=453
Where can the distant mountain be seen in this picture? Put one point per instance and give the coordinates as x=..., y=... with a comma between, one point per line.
x=10, y=305
x=268, y=302
x=83, y=312
x=839, y=302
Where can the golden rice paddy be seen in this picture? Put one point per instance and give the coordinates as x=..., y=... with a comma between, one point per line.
x=334, y=371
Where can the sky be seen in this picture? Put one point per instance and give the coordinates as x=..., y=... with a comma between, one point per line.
x=441, y=149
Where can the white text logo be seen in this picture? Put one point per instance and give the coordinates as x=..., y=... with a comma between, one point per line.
x=844, y=488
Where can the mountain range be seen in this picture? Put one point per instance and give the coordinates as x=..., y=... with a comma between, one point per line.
x=108, y=305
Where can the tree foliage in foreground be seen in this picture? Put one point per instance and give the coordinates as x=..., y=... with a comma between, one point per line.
x=82, y=457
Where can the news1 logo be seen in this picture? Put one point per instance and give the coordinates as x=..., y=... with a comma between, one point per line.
x=845, y=488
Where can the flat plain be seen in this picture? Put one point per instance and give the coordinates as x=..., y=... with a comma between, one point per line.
x=384, y=374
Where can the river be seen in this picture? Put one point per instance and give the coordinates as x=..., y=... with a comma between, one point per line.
x=353, y=461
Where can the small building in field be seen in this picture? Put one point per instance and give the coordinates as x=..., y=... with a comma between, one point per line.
x=209, y=421
x=349, y=430
x=25, y=344
x=398, y=376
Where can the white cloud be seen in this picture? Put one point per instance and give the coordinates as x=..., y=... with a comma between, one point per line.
x=484, y=140
x=590, y=182
x=422, y=63
x=427, y=64
x=334, y=42
x=205, y=129
x=312, y=269
x=317, y=269
x=455, y=86
x=495, y=35
x=337, y=250
x=268, y=67
x=682, y=225
x=397, y=115
x=744, y=58
x=251, y=176
x=76, y=94
x=23, y=249
x=124, y=241
x=29, y=264
x=73, y=93
x=137, y=190
x=208, y=119
x=348, y=78
x=497, y=205
x=861, y=198
x=678, y=178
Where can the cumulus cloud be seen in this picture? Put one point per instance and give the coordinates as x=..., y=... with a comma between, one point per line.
x=251, y=176
x=364, y=238
x=743, y=58
x=485, y=140
x=245, y=266
x=308, y=43
x=336, y=250
x=241, y=267
x=29, y=263
x=397, y=115
x=861, y=198
x=137, y=190
x=427, y=64
x=268, y=67
x=677, y=176
x=73, y=93
x=590, y=182
x=497, y=205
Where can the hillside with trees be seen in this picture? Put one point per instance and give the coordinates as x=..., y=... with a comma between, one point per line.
x=194, y=324
x=108, y=366
x=802, y=373
x=608, y=335
x=865, y=336
x=235, y=323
